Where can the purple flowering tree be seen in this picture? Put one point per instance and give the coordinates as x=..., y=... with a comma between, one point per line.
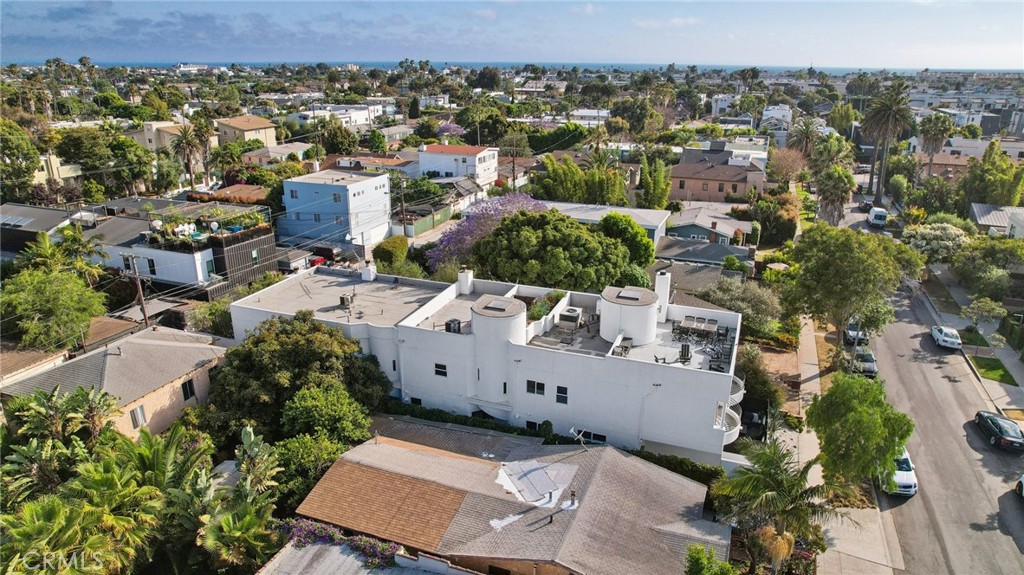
x=450, y=130
x=457, y=242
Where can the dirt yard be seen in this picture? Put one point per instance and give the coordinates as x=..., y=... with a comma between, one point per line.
x=783, y=365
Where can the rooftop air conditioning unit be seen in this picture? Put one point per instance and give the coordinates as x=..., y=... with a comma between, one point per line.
x=453, y=325
x=570, y=318
x=345, y=300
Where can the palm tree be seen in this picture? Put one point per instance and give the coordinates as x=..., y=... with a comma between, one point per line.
x=600, y=159
x=835, y=188
x=52, y=527
x=803, y=135
x=42, y=254
x=935, y=130
x=774, y=491
x=98, y=410
x=49, y=416
x=40, y=466
x=596, y=136
x=886, y=118
x=80, y=250
x=204, y=131
x=161, y=461
x=186, y=146
x=226, y=158
x=828, y=151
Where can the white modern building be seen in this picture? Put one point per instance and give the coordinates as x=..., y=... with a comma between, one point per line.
x=609, y=367
x=436, y=101
x=961, y=146
x=351, y=114
x=780, y=111
x=720, y=103
x=337, y=206
x=444, y=161
x=589, y=118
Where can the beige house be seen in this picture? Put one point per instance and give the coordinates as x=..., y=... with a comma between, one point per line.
x=51, y=167
x=246, y=127
x=155, y=374
x=713, y=183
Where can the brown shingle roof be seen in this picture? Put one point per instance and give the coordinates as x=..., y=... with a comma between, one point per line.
x=384, y=504
x=708, y=172
x=455, y=150
x=247, y=122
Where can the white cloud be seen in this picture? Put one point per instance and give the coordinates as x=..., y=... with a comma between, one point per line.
x=677, y=22
x=588, y=9
x=486, y=14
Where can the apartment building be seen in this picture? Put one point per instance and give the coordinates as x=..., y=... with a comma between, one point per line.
x=337, y=206
x=246, y=127
x=444, y=161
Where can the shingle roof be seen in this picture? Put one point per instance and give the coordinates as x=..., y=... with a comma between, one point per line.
x=992, y=215
x=133, y=367
x=247, y=122
x=701, y=156
x=451, y=437
x=590, y=213
x=455, y=150
x=697, y=250
x=627, y=514
x=688, y=277
x=705, y=217
x=709, y=172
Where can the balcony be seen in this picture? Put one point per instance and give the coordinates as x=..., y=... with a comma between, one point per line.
x=737, y=390
x=731, y=423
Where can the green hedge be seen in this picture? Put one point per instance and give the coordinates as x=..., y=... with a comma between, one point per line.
x=391, y=251
x=706, y=474
x=1014, y=333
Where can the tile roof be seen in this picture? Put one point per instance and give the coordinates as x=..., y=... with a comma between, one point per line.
x=456, y=150
x=697, y=250
x=709, y=172
x=247, y=122
x=136, y=366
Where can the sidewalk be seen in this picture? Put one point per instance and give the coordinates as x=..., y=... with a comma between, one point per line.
x=864, y=544
x=1001, y=396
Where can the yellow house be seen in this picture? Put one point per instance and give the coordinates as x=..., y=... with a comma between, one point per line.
x=51, y=167
x=246, y=127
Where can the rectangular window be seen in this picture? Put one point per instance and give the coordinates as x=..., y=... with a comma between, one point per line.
x=704, y=187
x=210, y=269
x=441, y=369
x=735, y=187
x=337, y=198
x=504, y=388
x=394, y=365
x=682, y=184
x=594, y=437
x=721, y=187
x=337, y=220
x=138, y=417
x=447, y=174
x=463, y=160
x=188, y=390
x=255, y=258
x=534, y=387
x=152, y=266
x=561, y=394
x=532, y=425
x=297, y=217
x=415, y=401
x=294, y=194
x=316, y=218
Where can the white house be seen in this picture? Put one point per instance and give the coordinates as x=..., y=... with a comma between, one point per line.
x=387, y=104
x=351, y=114
x=437, y=101
x=444, y=161
x=961, y=146
x=607, y=367
x=780, y=111
x=337, y=206
x=309, y=116
x=589, y=118
x=720, y=103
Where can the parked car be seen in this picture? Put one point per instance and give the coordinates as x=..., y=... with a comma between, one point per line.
x=946, y=337
x=853, y=335
x=331, y=254
x=862, y=169
x=863, y=362
x=1001, y=432
x=865, y=206
x=904, y=478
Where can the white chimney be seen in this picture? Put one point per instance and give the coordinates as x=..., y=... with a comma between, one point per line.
x=423, y=147
x=465, y=281
x=662, y=287
x=369, y=272
x=444, y=142
x=316, y=166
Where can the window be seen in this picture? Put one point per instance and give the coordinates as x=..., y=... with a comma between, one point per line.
x=209, y=268
x=594, y=437
x=1020, y=155
x=337, y=198
x=255, y=258
x=188, y=390
x=682, y=184
x=723, y=241
x=447, y=174
x=316, y=218
x=152, y=266
x=534, y=387
x=294, y=194
x=532, y=426
x=394, y=365
x=495, y=570
x=561, y=394
x=441, y=369
x=415, y=401
x=150, y=140
x=127, y=261
x=138, y=417
x=721, y=187
x=463, y=160
x=504, y=388
x=735, y=187
x=297, y=216
x=704, y=187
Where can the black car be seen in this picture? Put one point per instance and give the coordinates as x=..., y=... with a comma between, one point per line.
x=1001, y=432
x=865, y=206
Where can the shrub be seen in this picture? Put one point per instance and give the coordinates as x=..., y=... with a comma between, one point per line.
x=944, y=218
x=794, y=422
x=700, y=472
x=759, y=384
x=391, y=251
x=538, y=309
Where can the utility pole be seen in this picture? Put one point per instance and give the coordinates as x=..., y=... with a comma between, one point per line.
x=138, y=285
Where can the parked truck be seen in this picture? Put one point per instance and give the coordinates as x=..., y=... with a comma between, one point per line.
x=877, y=217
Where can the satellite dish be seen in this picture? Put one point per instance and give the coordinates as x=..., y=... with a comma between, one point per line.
x=156, y=224
x=214, y=226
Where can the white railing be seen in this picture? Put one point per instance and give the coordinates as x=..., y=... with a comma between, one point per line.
x=732, y=426
x=737, y=390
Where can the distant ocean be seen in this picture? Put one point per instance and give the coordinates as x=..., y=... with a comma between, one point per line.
x=607, y=66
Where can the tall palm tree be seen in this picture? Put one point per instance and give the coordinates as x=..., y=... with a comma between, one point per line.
x=204, y=131
x=595, y=137
x=774, y=491
x=186, y=146
x=98, y=410
x=886, y=118
x=835, y=188
x=81, y=250
x=935, y=130
x=803, y=135
x=42, y=254
x=226, y=158
x=828, y=151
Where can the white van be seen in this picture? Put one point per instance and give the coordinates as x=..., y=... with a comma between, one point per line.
x=877, y=217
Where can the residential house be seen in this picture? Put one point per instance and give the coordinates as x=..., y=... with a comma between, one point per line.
x=720, y=103
x=20, y=224
x=946, y=166
x=373, y=163
x=589, y=118
x=396, y=133
x=336, y=206
x=540, y=87
x=444, y=161
x=51, y=167
x=154, y=374
x=966, y=147
x=653, y=221
x=589, y=364
x=274, y=154
x=160, y=134
x=701, y=251
x=387, y=104
x=729, y=123
x=715, y=153
x=708, y=225
x=307, y=117
x=248, y=127
x=351, y=115
x=689, y=279
x=780, y=112
x=435, y=101
x=994, y=219
x=202, y=250
x=713, y=183
x=541, y=509
x=515, y=171
x=989, y=123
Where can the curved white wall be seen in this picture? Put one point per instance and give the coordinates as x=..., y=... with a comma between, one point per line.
x=636, y=321
x=492, y=336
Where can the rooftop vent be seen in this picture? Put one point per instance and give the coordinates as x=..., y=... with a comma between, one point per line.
x=497, y=305
x=453, y=325
x=630, y=294
x=345, y=300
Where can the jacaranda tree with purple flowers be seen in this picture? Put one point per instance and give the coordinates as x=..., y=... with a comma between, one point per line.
x=456, y=244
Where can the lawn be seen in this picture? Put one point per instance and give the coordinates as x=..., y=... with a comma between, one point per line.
x=992, y=368
x=972, y=338
x=939, y=295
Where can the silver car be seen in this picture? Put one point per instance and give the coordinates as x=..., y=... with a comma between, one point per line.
x=863, y=362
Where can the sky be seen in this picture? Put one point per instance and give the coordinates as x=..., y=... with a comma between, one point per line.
x=909, y=34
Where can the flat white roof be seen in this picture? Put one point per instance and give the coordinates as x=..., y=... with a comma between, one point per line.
x=594, y=213
x=338, y=177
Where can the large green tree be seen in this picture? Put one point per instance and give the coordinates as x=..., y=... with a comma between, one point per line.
x=640, y=114
x=835, y=188
x=565, y=181
x=87, y=147
x=759, y=304
x=552, y=250
x=828, y=152
x=887, y=117
x=656, y=182
x=842, y=117
x=632, y=235
x=19, y=160
x=995, y=179
x=49, y=310
x=860, y=433
x=934, y=130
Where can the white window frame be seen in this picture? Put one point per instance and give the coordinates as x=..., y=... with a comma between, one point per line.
x=138, y=416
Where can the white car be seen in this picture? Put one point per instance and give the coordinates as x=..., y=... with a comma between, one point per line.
x=904, y=478
x=946, y=337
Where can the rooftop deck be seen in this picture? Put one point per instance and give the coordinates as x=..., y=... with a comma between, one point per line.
x=459, y=308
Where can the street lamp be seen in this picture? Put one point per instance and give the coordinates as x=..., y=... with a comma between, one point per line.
x=640, y=435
